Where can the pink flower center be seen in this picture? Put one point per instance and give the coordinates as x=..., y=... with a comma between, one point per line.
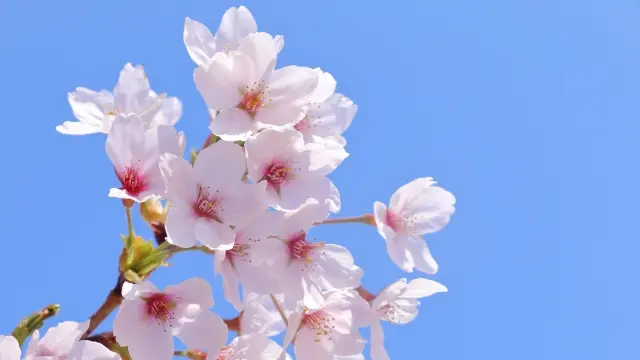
x=254, y=98
x=394, y=221
x=160, y=306
x=206, y=204
x=300, y=248
x=132, y=180
x=320, y=322
x=277, y=173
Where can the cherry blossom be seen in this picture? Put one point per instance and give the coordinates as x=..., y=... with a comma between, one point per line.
x=246, y=91
x=292, y=171
x=148, y=319
x=63, y=342
x=398, y=304
x=415, y=209
x=331, y=329
x=303, y=268
x=135, y=152
x=9, y=348
x=240, y=265
x=254, y=347
x=96, y=111
x=208, y=198
x=236, y=24
x=327, y=115
x=260, y=315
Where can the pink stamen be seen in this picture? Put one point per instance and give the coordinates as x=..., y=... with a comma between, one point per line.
x=300, y=248
x=132, y=180
x=320, y=322
x=160, y=307
x=206, y=204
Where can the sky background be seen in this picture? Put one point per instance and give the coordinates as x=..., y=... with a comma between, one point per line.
x=526, y=110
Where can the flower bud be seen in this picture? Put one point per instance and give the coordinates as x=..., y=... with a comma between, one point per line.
x=152, y=211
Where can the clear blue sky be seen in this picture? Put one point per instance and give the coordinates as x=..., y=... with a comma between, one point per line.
x=526, y=110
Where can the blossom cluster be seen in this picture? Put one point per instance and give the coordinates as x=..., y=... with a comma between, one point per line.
x=249, y=196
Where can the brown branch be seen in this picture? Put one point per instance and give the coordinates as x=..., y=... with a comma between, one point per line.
x=113, y=300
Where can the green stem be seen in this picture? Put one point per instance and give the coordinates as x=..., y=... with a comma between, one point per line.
x=364, y=219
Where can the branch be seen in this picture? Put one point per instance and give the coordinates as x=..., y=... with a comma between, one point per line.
x=368, y=219
x=113, y=300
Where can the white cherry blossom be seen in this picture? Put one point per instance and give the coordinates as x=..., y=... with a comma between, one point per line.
x=210, y=197
x=148, y=319
x=96, y=111
x=398, y=304
x=331, y=329
x=9, y=348
x=135, y=152
x=248, y=93
x=292, y=171
x=260, y=315
x=236, y=24
x=327, y=115
x=415, y=209
x=253, y=347
x=303, y=268
x=239, y=265
x=63, y=342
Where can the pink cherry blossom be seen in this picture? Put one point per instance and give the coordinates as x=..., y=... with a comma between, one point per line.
x=292, y=171
x=254, y=347
x=63, y=342
x=260, y=315
x=331, y=329
x=210, y=197
x=303, y=268
x=415, y=209
x=248, y=93
x=96, y=111
x=135, y=152
x=148, y=319
x=398, y=304
x=327, y=115
x=241, y=265
x=236, y=24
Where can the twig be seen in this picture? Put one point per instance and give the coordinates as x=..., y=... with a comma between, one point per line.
x=365, y=219
x=280, y=311
x=113, y=300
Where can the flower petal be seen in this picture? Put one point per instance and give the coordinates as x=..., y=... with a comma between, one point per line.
x=202, y=329
x=199, y=41
x=193, y=291
x=9, y=348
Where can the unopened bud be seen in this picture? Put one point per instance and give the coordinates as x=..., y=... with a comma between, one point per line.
x=152, y=211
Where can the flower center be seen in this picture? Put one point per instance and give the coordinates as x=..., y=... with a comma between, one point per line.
x=132, y=180
x=394, y=221
x=207, y=205
x=320, y=322
x=300, y=248
x=303, y=124
x=160, y=306
x=277, y=173
x=254, y=98
x=389, y=312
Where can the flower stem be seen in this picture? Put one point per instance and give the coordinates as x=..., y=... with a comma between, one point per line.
x=280, y=311
x=127, y=211
x=364, y=219
x=33, y=322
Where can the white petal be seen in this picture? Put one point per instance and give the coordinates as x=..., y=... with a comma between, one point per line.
x=326, y=157
x=236, y=23
x=202, y=329
x=132, y=291
x=261, y=49
x=389, y=294
x=400, y=254
x=419, y=288
x=199, y=41
x=216, y=84
x=422, y=256
x=409, y=191
x=90, y=106
x=279, y=42
x=131, y=94
x=126, y=132
x=258, y=347
x=325, y=88
x=214, y=235
x=89, y=350
x=292, y=84
x=180, y=226
x=306, y=346
x=193, y=291
x=294, y=321
x=179, y=179
x=77, y=128
x=233, y=125
x=378, y=351
x=340, y=272
x=222, y=161
x=303, y=218
x=430, y=211
x=279, y=114
x=9, y=348
x=64, y=336
x=230, y=285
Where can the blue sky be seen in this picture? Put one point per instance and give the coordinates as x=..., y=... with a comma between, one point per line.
x=526, y=110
